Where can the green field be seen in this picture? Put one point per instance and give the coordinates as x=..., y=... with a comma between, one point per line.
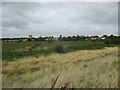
x=14, y=50
x=83, y=64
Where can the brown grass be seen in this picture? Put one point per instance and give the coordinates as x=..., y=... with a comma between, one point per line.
x=80, y=69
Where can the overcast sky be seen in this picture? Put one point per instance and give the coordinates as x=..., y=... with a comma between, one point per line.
x=52, y=18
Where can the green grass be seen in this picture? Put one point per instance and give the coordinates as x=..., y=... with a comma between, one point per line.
x=11, y=46
x=79, y=69
x=13, y=50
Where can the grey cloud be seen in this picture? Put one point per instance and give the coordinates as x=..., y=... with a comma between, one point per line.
x=59, y=18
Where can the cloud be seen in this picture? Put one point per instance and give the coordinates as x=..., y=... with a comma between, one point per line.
x=52, y=18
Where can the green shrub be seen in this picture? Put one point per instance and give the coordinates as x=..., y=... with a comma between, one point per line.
x=59, y=49
x=112, y=40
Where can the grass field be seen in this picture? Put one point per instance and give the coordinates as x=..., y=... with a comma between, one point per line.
x=85, y=65
x=13, y=50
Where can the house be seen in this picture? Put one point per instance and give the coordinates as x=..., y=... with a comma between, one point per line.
x=88, y=38
x=23, y=40
x=104, y=37
x=93, y=38
x=11, y=40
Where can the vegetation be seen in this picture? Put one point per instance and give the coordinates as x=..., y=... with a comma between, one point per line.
x=60, y=64
x=112, y=40
x=59, y=49
x=80, y=69
x=13, y=50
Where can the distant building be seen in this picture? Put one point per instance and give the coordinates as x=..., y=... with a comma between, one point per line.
x=93, y=38
x=88, y=38
x=11, y=40
x=56, y=38
x=30, y=36
x=23, y=40
x=104, y=37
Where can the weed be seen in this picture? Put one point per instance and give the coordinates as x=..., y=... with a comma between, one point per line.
x=85, y=65
x=53, y=83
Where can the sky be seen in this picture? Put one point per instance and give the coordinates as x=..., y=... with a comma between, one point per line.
x=20, y=19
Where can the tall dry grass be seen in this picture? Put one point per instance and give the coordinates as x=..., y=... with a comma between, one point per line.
x=80, y=69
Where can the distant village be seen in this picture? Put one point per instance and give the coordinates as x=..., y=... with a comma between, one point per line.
x=52, y=38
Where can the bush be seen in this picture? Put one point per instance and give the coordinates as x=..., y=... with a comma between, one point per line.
x=112, y=41
x=59, y=49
